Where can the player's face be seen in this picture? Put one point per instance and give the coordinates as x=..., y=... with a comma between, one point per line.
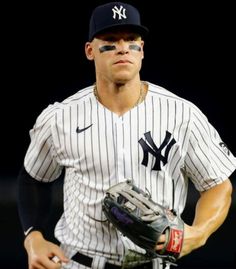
x=117, y=55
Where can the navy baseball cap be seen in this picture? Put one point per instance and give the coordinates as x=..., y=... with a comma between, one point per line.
x=115, y=15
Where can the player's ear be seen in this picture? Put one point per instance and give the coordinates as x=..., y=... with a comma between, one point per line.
x=89, y=51
x=142, y=45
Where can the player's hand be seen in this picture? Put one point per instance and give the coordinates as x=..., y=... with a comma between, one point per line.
x=161, y=243
x=193, y=239
x=41, y=252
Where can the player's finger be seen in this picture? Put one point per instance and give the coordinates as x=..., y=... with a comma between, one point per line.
x=55, y=259
x=59, y=256
x=36, y=266
x=161, y=242
x=159, y=247
x=162, y=239
x=44, y=265
x=56, y=263
x=47, y=263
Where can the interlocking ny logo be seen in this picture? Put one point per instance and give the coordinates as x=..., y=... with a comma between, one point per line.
x=119, y=12
x=149, y=146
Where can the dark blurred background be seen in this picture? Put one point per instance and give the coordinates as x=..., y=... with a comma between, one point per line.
x=190, y=51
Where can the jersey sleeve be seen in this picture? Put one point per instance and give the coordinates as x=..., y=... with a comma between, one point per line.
x=208, y=160
x=40, y=159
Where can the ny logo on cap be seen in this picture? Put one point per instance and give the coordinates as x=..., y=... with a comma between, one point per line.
x=119, y=12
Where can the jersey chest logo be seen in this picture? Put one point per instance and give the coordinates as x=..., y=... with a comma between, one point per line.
x=149, y=146
x=78, y=130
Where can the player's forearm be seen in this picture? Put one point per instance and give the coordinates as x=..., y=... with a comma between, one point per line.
x=34, y=202
x=212, y=209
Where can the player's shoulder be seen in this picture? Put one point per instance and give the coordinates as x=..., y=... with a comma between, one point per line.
x=162, y=93
x=58, y=106
x=81, y=95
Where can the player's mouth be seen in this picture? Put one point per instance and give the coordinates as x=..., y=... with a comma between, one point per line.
x=123, y=62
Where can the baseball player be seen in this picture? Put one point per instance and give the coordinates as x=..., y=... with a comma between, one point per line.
x=119, y=128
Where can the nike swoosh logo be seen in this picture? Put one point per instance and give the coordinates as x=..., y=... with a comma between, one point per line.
x=78, y=130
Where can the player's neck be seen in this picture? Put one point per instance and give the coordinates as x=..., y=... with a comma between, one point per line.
x=120, y=98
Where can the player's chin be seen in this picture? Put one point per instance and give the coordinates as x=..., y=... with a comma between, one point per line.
x=122, y=77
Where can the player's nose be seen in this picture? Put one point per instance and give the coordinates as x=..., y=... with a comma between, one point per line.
x=122, y=46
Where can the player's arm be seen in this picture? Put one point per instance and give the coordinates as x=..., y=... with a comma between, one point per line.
x=34, y=202
x=211, y=211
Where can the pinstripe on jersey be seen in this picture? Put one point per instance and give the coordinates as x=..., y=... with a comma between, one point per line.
x=99, y=149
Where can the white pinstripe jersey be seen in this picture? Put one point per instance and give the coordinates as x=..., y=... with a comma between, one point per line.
x=159, y=144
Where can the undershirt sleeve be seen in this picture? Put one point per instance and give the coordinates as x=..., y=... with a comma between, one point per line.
x=34, y=202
